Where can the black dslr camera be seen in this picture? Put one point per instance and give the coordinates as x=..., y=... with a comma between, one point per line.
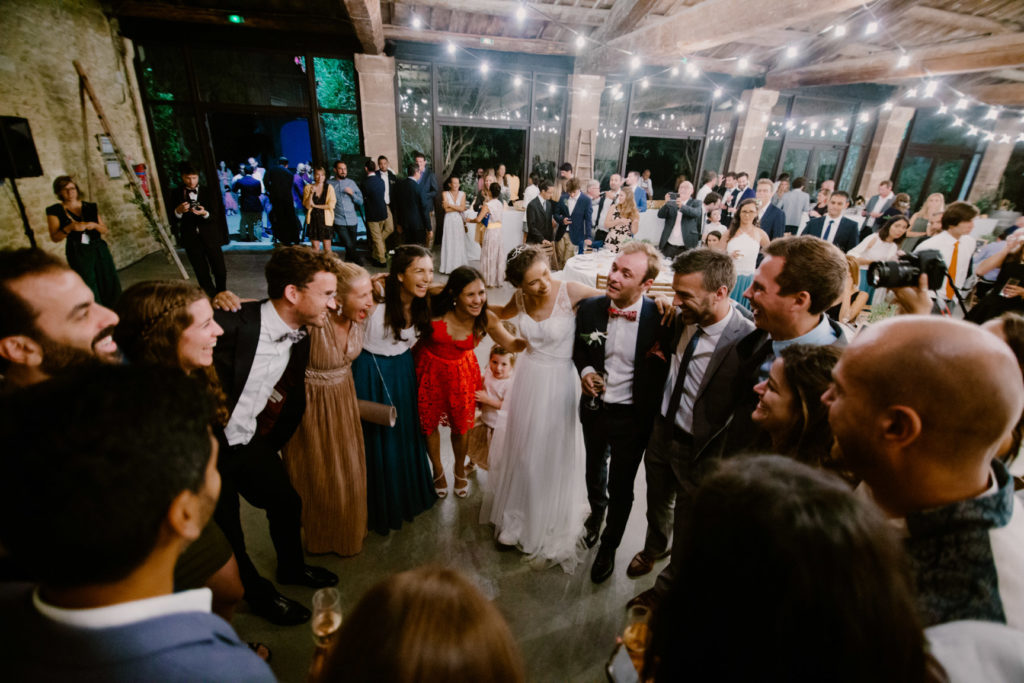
x=907, y=269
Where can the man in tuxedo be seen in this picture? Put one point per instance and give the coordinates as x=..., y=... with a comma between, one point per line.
x=606, y=204
x=575, y=217
x=622, y=366
x=261, y=361
x=49, y=320
x=410, y=212
x=799, y=279
x=283, y=221
x=833, y=227
x=199, y=233
x=379, y=224
x=540, y=224
x=771, y=219
x=122, y=482
x=682, y=229
x=877, y=206
x=695, y=405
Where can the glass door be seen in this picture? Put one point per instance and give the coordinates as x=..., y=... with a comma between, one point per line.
x=669, y=159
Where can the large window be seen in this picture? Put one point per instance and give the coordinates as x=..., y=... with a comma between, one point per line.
x=546, y=134
x=772, y=147
x=938, y=154
x=610, y=129
x=415, y=110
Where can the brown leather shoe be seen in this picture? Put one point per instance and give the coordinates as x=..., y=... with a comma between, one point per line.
x=641, y=565
x=648, y=599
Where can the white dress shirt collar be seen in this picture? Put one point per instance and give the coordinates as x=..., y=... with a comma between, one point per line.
x=125, y=613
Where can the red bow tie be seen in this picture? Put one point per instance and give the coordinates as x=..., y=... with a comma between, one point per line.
x=625, y=315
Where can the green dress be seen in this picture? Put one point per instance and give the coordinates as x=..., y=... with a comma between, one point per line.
x=87, y=253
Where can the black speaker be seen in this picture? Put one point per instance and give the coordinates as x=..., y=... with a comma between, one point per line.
x=18, y=158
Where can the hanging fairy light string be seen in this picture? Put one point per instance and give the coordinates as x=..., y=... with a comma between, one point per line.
x=944, y=97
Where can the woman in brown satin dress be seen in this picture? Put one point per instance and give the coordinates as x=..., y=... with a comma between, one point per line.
x=325, y=459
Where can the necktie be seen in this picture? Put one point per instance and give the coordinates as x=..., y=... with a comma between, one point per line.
x=294, y=336
x=684, y=365
x=950, y=292
x=625, y=315
x=828, y=231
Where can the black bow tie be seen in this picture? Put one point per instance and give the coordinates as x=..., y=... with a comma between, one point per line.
x=293, y=336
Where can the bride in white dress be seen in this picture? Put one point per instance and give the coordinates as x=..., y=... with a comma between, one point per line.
x=536, y=495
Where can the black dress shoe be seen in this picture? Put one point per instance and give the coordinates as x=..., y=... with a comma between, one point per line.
x=603, y=565
x=279, y=610
x=590, y=537
x=314, y=577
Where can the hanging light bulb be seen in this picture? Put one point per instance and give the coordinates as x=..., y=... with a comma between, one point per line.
x=717, y=93
x=517, y=81
x=417, y=23
x=521, y=12
x=887, y=106
x=644, y=83
x=451, y=48
x=551, y=89
x=740, y=107
x=871, y=28
x=484, y=67
x=839, y=31
x=864, y=117
x=634, y=63
x=1004, y=139
x=903, y=62
x=580, y=42
x=675, y=71
x=943, y=109
x=791, y=52
x=930, y=87
x=991, y=114
x=692, y=69
x=961, y=103
x=912, y=93
x=743, y=63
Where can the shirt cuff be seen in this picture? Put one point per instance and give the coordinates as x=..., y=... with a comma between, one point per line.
x=586, y=371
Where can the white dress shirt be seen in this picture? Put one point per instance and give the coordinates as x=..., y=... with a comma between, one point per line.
x=619, y=355
x=124, y=613
x=530, y=193
x=876, y=204
x=829, y=228
x=706, y=346
x=675, y=238
x=272, y=354
x=943, y=242
x=608, y=204
x=387, y=186
x=571, y=203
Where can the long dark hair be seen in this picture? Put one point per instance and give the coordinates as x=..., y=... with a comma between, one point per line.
x=394, y=312
x=444, y=301
x=840, y=585
x=735, y=225
x=883, y=232
x=808, y=372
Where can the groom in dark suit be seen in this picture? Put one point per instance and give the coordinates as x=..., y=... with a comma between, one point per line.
x=834, y=227
x=618, y=353
x=261, y=361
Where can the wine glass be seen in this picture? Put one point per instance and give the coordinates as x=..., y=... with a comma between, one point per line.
x=326, y=615
x=637, y=634
x=594, y=402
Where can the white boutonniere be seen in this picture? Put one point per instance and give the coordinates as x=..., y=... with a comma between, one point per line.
x=592, y=338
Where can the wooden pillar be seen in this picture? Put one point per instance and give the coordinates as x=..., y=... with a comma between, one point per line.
x=751, y=129
x=994, y=160
x=584, y=109
x=377, y=107
x=885, y=148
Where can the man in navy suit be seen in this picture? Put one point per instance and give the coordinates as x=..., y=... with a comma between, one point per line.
x=376, y=193
x=745, y=191
x=122, y=483
x=576, y=218
x=622, y=373
x=770, y=218
x=833, y=227
x=261, y=362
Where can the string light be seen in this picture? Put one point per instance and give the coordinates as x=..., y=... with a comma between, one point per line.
x=791, y=51
x=740, y=107
x=551, y=89
x=521, y=12
x=451, y=48
x=644, y=83
x=692, y=69
x=961, y=104
x=912, y=93
x=839, y=31
x=887, y=106
x=930, y=87
x=717, y=93
x=991, y=114
x=943, y=109
x=580, y=41
x=864, y=117
x=743, y=63
x=517, y=81
x=872, y=28
x=417, y=23
x=957, y=122
x=903, y=62
x=634, y=63
x=484, y=67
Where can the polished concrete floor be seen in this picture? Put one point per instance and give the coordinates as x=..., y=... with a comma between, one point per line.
x=565, y=625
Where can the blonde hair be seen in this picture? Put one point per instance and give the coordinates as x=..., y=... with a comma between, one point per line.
x=627, y=207
x=347, y=274
x=653, y=256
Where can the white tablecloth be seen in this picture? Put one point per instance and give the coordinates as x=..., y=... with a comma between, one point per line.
x=586, y=267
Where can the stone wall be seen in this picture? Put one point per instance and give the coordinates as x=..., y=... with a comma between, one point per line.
x=39, y=82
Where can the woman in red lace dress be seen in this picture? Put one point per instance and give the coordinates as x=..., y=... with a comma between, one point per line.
x=448, y=372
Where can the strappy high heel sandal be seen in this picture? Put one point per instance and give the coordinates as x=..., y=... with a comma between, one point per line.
x=441, y=491
x=461, y=491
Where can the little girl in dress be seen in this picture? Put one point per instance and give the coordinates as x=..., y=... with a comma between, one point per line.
x=497, y=381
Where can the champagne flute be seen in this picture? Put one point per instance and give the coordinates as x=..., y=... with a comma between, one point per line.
x=637, y=634
x=594, y=402
x=326, y=615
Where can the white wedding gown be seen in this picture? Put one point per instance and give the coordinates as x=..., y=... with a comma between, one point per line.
x=536, y=495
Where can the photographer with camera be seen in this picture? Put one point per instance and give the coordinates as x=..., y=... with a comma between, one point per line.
x=934, y=277
x=199, y=233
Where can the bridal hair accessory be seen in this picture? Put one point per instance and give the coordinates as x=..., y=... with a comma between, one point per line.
x=516, y=251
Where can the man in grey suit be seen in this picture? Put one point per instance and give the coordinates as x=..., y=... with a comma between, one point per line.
x=695, y=407
x=97, y=506
x=877, y=205
x=682, y=229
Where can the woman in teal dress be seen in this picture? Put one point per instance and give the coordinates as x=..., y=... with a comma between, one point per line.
x=79, y=225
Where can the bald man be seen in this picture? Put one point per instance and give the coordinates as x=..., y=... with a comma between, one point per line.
x=922, y=430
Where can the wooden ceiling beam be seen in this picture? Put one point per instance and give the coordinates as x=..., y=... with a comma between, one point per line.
x=501, y=43
x=507, y=8
x=950, y=19
x=709, y=24
x=1004, y=94
x=968, y=56
x=366, y=19
x=624, y=16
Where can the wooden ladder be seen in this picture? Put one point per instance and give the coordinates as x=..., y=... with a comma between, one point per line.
x=584, y=166
x=140, y=198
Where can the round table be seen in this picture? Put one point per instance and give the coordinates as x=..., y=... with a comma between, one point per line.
x=586, y=267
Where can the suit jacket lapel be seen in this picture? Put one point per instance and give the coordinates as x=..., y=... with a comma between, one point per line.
x=646, y=332
x=248, y=340
x=733, y=331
